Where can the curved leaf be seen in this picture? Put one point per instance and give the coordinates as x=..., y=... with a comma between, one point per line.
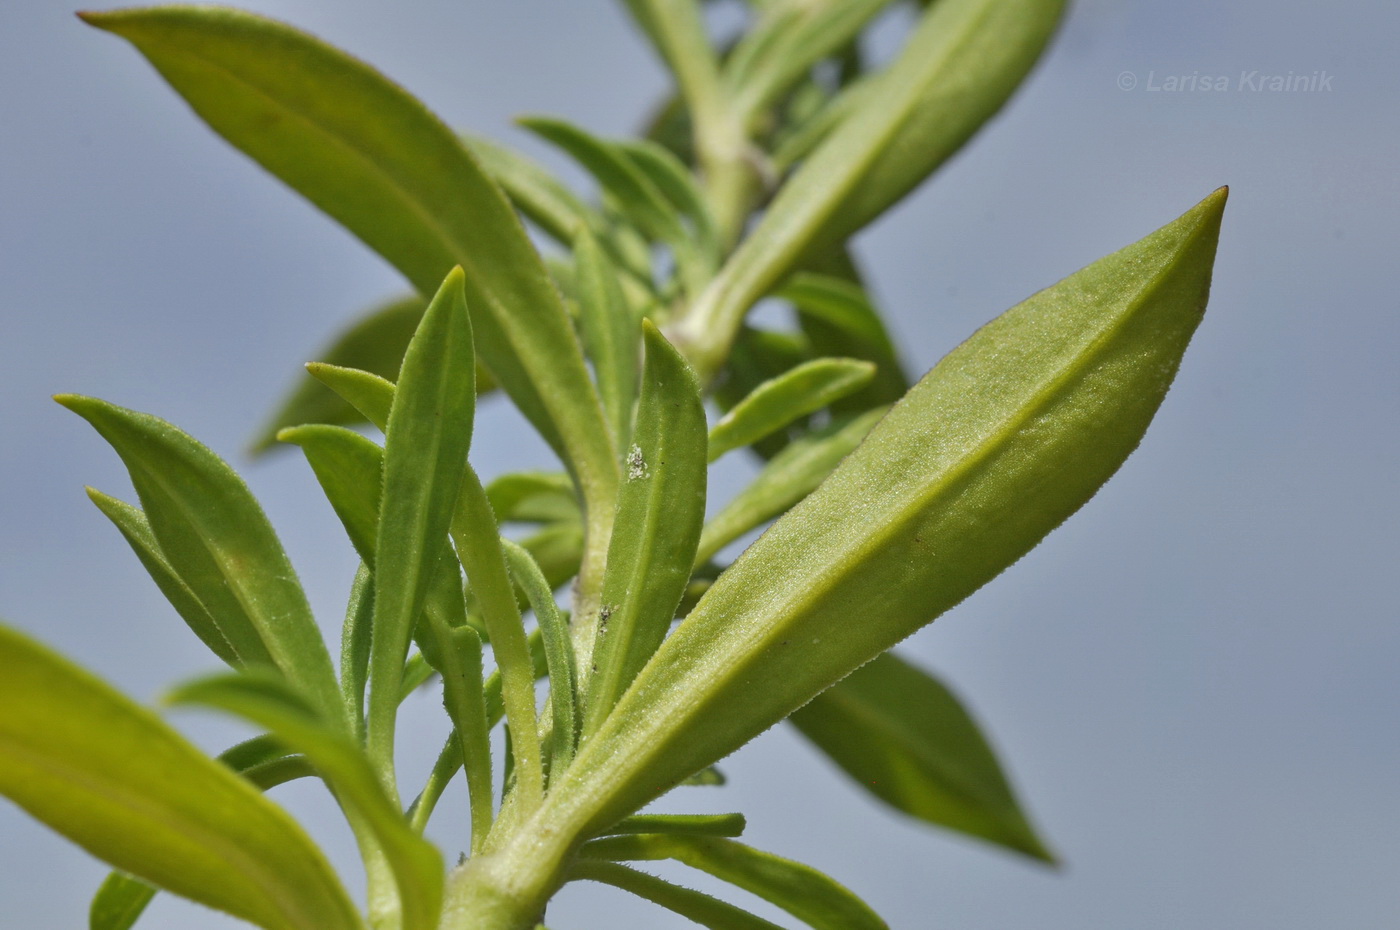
x=1011, y=433
x=705, y=910
x=219, y=542
x=774, y=404
x=368, y=394
x=906, y=739
x=119, y=782
x=371, y=156
x=812, y=897
x=131, y=522
x=274, y=704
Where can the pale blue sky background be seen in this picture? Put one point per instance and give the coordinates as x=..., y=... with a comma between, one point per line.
x=1193, y=682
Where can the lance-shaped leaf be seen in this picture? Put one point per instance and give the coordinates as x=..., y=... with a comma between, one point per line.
x=272, y=703
x=1011, y=433
x=350, y=470
x=478, y=541
x=116, y=780
x=121, y=899
x=779, y=401
x=691, y=824
x=791, y=475
x=958, y=67
x=558, y=651
x=906, y=739
x=374, y=158
x=425, y=455
x=372, y=346
x=219, y=542
x=836, y=315
x=802, y=891
x=371, y=395
x=659, y=515
x=131, y=522
x=632, y=189
x=610, y=330
x=703, y=909
x=533, y=497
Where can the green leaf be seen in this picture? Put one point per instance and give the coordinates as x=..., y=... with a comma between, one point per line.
x=371, y=156
x=425, y=455
x=119, y=902
x=116, y=780
x=545, y=201
x=801, y=890
x=1010, y=434
x=266, y=763
x=218, y=541
x=368, y=394
x=356, y=643
x=372, y=346
x=692, y=824
x=906, y=739
x=610, y=330
x=274, y=704
x=632, y=189
x=782, y=49
x=774, y=404
x=558, y=650
x=791, y=475
x=478, y=541
x=760, y=355
x=131, y=522
x=659, y=515
x=695, y=905
x=676, y=183
x=838, y=318
x=959, y=66
x=533, y=497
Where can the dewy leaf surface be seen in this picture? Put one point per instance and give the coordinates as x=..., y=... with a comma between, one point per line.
x=374, y=158
x=116, y=780
x=905, y=738
x=1011, y=433
x=219, y=541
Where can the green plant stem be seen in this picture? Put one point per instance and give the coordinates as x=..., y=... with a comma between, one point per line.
x=721, y=144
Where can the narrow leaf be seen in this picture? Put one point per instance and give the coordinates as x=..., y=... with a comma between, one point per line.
x=692, y=824
x=558, y=650
x=611, y=332
x=478, y=541
x=802, y=891
x=906, y=739
x=1010, y=434
x=218, y=541
x=370, y=395
x=131, y=522
x=425, y=455
x=273, y=704
x=374, y=158
x=774, y=404
x=791, y=475
x=266, y=763
x=113, y=778
x=533, y=497
x=660, y=512
x=705, y=910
